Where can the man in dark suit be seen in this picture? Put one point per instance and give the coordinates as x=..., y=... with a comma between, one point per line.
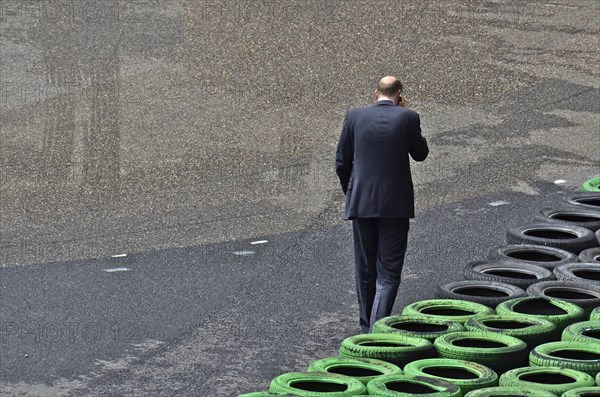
x=373, y=167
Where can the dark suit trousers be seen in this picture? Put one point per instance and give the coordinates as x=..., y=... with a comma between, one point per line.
x=379, y=248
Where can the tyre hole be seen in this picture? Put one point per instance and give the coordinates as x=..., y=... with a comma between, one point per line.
x=589, y=201
x=592, y=333
x=480, y=291
x=567, y=294
x=575, y=355
x=356, y=372
x=409, y=387
x=552, y=378
x=574, y=218
x=450, y=372
x=478, y=343
x=534, y=256
x=551, y=234
x=325, y=387
x=420, y=327
x=587, y=274
x=510, y=274
x=510, y=324
x=446, y=311
x=538, y=307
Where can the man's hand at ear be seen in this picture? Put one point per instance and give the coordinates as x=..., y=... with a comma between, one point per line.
x=404, y=102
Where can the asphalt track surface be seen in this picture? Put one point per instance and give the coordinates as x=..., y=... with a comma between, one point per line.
x=204, y=321
x=145, y=148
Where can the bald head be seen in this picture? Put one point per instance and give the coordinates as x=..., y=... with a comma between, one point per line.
x=389, y=86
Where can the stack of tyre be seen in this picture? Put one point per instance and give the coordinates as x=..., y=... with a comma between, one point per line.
x=524, y=322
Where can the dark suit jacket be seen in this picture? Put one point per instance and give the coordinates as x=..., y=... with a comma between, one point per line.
x=372, y=160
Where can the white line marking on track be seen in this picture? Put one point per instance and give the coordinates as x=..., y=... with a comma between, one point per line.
x=117, y=269
x=559, y=181
x=119, y=256
x=499, y=202
x=244, y=253
x=259, y=242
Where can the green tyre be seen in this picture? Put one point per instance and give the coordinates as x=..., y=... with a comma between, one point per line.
x=406, y=386
x=416, y=326
x=585, y=331
x=580, y=356
x=553, y=379
x=496, y=351
x=393, y=348
x=316, y=384
x=533, y=331
x=362, y=369
x=598, y=379
x=509, y=392
x=591, y=391
x=447, y=309
x=595, y=314
x=467, y=375
x=558, y=312
x=591, y=185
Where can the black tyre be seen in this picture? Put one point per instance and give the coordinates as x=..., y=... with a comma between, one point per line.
x=585, y=331
x=393, y=348
x=579, y=272
x=589, y=200
x=416, y=326
x=556, y=311
x=586, y=296
x=589, y=219
x=598, y=236
x=467, y=375
x=509, y=392
x=570, y=238
x=595, y=314
x=362, y=369
x=447, y=309
x=546, y=257
x=590, y=255
x=496, y=351
x=553, y=379
x=316, y=384
x=531, y=330
x=580, y=356
x=591, y=391
x=485, y=292
x=402, y=385
x=521, y=275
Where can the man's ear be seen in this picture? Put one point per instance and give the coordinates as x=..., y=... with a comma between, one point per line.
x=376, y=93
